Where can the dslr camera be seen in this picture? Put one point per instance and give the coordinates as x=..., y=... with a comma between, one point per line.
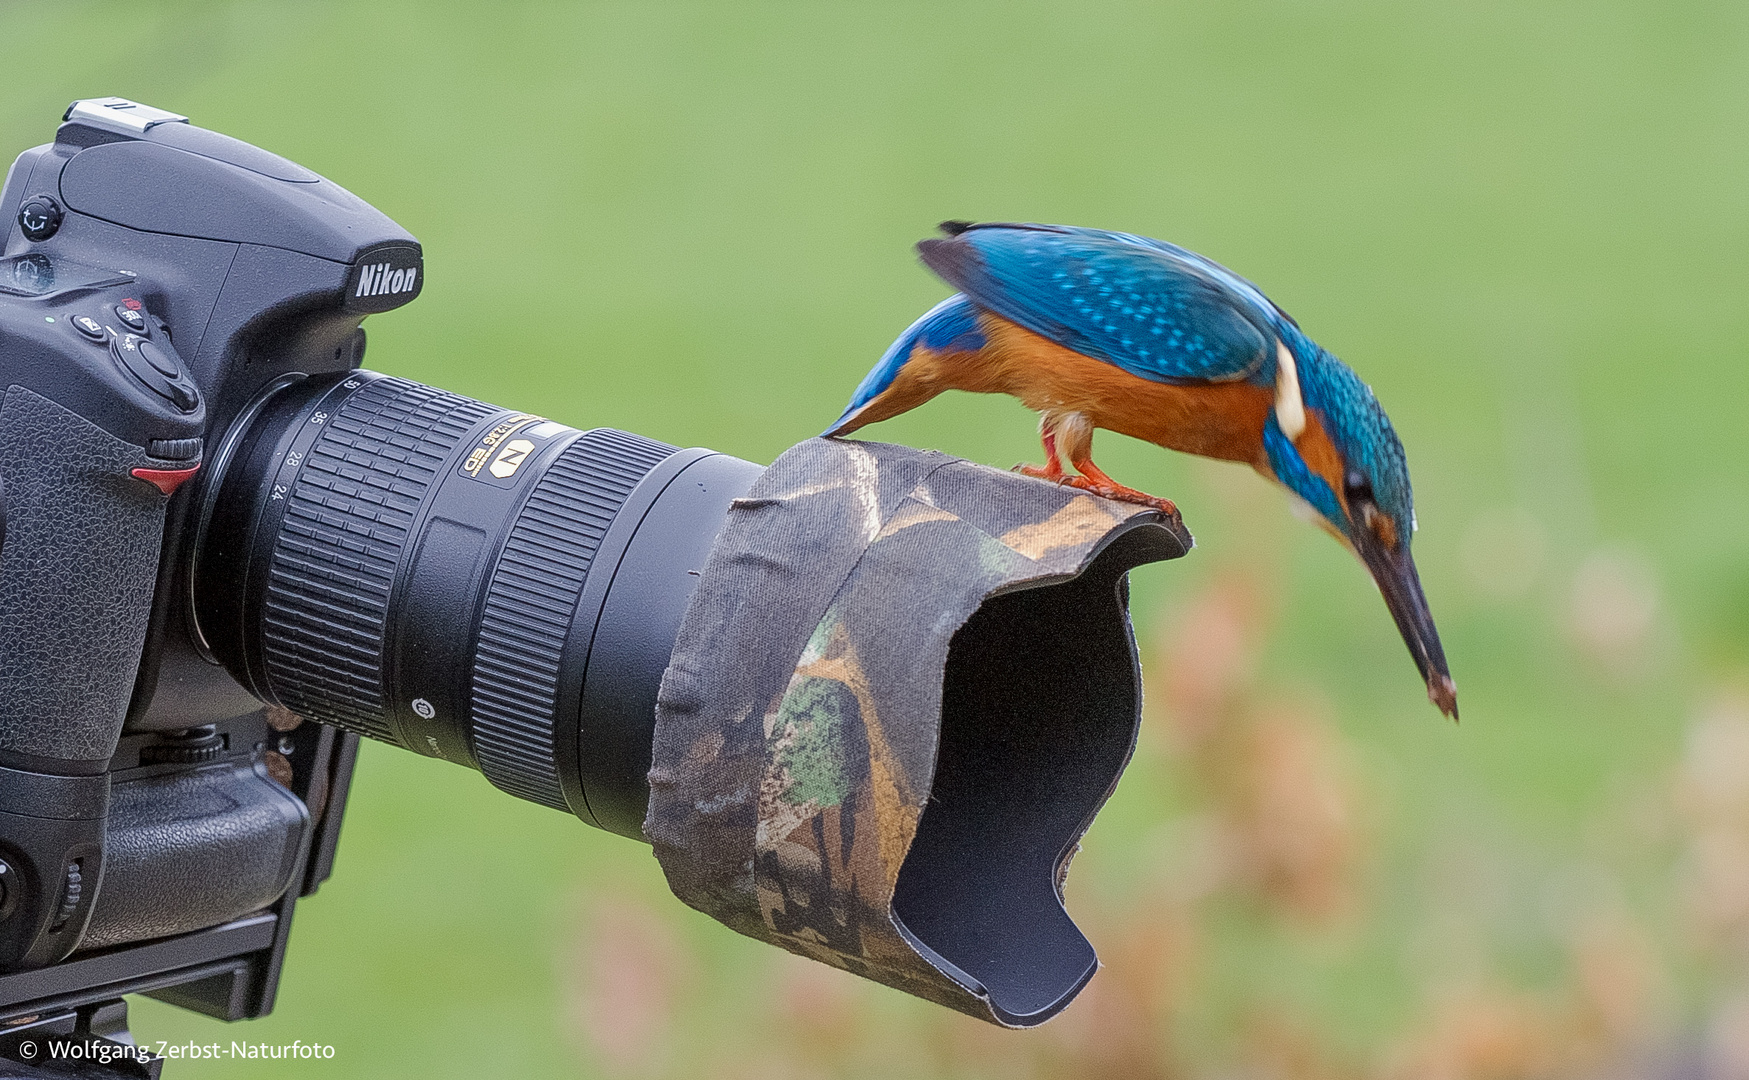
x=205, y=505
x=227, y=552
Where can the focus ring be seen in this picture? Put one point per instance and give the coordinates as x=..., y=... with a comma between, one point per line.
x=346, y=522
x=531, y=603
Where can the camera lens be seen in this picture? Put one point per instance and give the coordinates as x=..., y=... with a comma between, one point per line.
x=462, y=580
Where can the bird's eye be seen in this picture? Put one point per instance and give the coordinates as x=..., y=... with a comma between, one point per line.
x=1357, y=487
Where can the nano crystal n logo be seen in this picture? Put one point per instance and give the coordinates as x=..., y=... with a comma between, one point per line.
x=380, y=279
x=510, y=458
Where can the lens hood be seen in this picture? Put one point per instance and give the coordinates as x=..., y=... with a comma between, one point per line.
x=903, y=689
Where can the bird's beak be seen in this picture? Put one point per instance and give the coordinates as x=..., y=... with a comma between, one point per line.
x=1394, y=570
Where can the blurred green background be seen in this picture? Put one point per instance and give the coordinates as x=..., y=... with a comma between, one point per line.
x=1524, y=224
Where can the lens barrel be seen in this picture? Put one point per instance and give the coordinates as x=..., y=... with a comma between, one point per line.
x=465, y=581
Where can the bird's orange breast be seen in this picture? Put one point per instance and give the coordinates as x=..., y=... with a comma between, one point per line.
x=1220, y=420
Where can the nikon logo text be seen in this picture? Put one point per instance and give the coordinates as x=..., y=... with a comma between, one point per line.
x=510, y=458
x=379, y=280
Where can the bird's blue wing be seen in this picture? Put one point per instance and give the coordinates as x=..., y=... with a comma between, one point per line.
x=1246, y=292
x=1153, y=309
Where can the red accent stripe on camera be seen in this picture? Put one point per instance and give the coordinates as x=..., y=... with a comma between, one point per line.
x=165, y=480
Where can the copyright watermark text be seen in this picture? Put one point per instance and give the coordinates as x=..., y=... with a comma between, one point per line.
x=104, y=1052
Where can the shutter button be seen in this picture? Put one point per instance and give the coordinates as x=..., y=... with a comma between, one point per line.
x=158, y=358
x=158, y=368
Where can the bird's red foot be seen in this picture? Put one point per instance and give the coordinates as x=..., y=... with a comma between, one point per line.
x=1121, y=494
x=1052, y=472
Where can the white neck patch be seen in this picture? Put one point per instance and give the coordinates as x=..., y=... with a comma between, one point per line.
x=1290, y=410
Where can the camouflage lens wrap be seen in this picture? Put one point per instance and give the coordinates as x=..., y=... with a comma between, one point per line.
x=799, y=722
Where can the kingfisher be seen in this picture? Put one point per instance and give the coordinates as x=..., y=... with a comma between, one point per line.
x=1095, y=329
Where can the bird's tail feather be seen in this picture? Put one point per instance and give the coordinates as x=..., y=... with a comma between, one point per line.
x=948, y=326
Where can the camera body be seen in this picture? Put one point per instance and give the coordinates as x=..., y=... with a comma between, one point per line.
x=157, y=279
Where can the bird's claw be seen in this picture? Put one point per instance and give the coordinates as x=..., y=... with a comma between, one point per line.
x=1054, y=474
x=1119, y=493
x=1115, y=492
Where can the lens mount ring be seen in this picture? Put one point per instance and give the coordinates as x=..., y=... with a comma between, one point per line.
x=218, y=463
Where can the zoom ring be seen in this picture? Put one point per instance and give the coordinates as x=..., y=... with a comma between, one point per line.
x=346, y=522
x=532, y=601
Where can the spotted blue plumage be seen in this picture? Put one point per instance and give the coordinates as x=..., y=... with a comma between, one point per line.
x=949, y=326
x=1153, y=310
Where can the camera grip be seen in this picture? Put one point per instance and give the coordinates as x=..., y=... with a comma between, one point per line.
x=189, y=850
x=76, y=580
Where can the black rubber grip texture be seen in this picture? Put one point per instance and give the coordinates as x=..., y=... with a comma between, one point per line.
x=345, y=527
x=531, y=605
x=76, y=579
